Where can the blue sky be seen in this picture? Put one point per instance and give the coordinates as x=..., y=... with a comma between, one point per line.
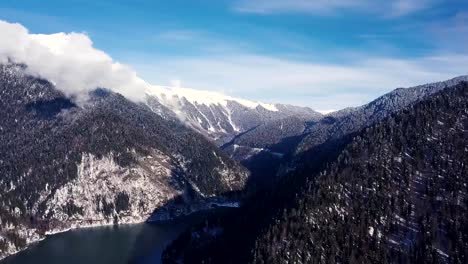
x=324, y=54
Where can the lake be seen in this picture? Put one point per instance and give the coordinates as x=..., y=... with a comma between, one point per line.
x=140, y=243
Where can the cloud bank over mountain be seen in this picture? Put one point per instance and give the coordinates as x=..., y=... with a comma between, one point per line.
x=69, y=60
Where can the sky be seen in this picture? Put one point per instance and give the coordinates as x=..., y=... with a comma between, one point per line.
x=326, y=54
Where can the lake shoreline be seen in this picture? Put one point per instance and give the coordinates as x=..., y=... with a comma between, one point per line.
x=175, y=220
x=53, y=232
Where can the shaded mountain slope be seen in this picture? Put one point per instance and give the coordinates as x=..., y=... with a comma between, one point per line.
x=264, y=148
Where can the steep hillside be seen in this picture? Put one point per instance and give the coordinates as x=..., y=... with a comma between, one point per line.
x=104, y=161
x=397, y=192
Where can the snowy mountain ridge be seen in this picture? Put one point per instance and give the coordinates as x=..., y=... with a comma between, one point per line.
x=194, y=96
x=219, y=117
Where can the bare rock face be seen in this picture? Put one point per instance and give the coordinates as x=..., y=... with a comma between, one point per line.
x=105, y=161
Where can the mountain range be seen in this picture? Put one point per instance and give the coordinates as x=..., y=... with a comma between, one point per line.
x=302, y=177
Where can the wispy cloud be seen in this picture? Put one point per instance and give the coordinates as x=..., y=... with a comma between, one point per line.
x=178, y=35
x=327, y=7
x=279, y=6
x=452, y=33
x=406, y=7
x=321, y=86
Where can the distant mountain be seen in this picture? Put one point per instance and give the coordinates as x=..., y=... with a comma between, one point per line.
x=104, y=161
x=394, y=192
x=220, y=117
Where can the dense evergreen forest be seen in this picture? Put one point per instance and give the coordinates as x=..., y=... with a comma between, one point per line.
x=395, y=192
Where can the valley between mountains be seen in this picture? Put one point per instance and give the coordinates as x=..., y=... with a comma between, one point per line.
x=383, y=182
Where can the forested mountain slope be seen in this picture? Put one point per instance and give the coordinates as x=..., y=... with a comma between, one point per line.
x=396, y=193
x=102, y=161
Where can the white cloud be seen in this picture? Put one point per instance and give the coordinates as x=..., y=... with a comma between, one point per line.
x=69, y=60
x=323, y=7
